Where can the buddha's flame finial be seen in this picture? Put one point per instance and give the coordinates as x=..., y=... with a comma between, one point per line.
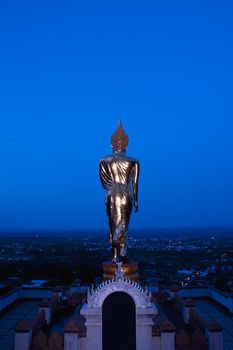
x=119, y=139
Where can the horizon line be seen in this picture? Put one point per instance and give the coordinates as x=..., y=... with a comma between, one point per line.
x=33, y=230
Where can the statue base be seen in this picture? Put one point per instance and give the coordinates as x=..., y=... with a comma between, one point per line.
x=130, y=270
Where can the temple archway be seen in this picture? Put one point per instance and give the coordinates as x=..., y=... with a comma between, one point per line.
x=119, y=322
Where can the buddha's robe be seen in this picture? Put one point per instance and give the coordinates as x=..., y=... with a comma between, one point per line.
x=119, y=177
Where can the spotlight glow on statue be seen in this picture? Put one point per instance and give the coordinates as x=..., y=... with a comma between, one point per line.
x=119, y=177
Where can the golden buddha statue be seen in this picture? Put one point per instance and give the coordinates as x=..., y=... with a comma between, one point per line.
x=119, y=177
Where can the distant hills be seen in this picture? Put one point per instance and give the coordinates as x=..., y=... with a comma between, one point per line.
x=137, y=232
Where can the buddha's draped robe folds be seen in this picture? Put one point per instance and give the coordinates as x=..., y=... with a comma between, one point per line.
x=119, y=177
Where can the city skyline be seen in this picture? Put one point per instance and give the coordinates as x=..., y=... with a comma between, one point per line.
x=70, y=71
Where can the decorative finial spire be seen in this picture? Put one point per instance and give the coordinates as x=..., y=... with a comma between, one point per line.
x=119, y=139
x=119, y=274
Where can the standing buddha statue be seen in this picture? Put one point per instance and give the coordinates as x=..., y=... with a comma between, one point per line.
x=119, y=177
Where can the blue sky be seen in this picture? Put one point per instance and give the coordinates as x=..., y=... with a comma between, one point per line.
x=70, y=69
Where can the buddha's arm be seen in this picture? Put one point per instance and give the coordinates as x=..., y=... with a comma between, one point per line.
x=105, y=175
x=135, y=177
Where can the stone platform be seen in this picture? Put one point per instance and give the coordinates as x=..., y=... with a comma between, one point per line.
x=130, y=270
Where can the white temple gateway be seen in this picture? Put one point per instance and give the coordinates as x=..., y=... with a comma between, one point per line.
x=119, y=309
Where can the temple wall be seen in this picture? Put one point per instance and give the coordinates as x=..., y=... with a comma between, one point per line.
x=37, y=293
x=194, y=292
x=24, y=293
x=9, y=298
x=222, y=298
x=209, y=292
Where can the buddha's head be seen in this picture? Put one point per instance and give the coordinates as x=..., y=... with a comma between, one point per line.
x=119, y=139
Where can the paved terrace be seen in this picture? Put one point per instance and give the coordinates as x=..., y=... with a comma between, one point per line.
x=209, y=310
x=25, y=310
x=28, y=310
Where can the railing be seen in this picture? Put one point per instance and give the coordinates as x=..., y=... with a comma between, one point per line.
x=24, y=293
x=37, y=293
x=9, y=298
x=198, y=292
x=224, y=299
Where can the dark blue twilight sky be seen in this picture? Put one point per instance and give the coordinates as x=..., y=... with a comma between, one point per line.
x=70, y=69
